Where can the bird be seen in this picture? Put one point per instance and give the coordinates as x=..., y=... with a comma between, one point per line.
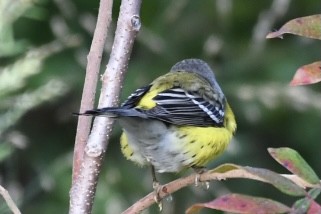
x=181, y=120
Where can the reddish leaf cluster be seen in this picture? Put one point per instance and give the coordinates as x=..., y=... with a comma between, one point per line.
x=309, y=26
x=239, y=203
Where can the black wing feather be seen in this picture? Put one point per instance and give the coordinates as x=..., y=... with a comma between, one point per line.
x=135, y=97
x=180, y=107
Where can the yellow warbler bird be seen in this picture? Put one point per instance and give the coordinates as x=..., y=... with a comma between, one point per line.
x=180, y=120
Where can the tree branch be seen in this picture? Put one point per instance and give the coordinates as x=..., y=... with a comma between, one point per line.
x=13, y=207
x=170, y=188
x=92, y=72
x=84, y=188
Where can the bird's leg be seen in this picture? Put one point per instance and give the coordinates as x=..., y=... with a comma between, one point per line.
x=155, y=181
x=157, y=188
x=199, y=171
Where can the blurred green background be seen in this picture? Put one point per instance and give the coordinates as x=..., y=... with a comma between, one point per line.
x=43, y=49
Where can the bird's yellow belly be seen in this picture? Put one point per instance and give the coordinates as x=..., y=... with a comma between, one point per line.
x=177, y=148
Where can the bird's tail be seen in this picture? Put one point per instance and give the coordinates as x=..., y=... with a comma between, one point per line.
x=112, y=112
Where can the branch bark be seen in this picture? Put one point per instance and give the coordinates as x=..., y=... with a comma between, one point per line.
x=92, y=72
x=13, y=207
x=171, y=187
x=84, y=187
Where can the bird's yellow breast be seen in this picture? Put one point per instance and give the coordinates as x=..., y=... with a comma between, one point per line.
x=205, y=143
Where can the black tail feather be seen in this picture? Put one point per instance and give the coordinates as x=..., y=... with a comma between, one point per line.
x=113, y=112
x=107, y=112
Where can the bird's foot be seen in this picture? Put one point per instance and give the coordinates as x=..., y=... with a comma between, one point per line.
x=157, y=188
x=199, y=171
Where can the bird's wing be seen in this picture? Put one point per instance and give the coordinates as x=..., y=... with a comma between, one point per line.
x=180, y=107
x=134, y=98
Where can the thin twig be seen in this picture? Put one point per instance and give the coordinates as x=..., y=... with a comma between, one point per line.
x=92, y=73
x=84, y=187
x=13, y=207
x=170, y=188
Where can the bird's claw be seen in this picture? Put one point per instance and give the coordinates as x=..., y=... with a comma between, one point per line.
x=198, y=181
x=157, y=188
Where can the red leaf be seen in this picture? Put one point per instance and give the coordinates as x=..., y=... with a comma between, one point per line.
x=307, y=74
x=241, y=204
x=309, y=26
x=314, y=208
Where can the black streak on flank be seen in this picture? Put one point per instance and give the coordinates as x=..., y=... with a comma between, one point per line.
x=155, y=148
x=174, y=154
x=182, y=136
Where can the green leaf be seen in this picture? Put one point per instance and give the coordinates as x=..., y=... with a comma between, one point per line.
x=313, y=193
x=225, y=168
x=307, y=74
x=293, y=161
x=238, y=203
x=305, y=204
x=283, y=184
x=308, y=26
x=5, y=151
x=280, y=182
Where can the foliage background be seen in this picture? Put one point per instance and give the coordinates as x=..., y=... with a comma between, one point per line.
x=37, y=129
